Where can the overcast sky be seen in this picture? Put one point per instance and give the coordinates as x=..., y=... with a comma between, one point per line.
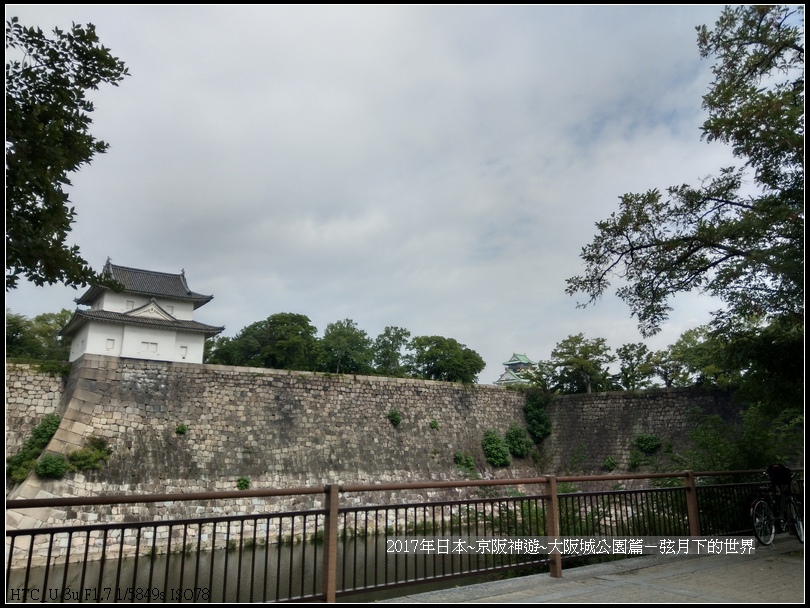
x=437, y=168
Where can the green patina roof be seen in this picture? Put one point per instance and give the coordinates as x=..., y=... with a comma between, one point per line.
x=519, y=358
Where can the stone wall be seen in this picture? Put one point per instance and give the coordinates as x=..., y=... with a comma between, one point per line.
x=30, y=396
x=286, y=429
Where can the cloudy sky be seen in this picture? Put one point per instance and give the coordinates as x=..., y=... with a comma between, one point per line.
x=437, y=168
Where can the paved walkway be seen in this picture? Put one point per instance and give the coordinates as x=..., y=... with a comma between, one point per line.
x=772, y=574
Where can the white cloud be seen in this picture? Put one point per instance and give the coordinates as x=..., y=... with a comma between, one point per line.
x=436, y=168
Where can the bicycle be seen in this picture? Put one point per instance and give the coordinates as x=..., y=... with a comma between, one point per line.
x=775, y=508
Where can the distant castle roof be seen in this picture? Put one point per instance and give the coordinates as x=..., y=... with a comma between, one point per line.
x=147, y=283
x=510, y=377
x=518, y=358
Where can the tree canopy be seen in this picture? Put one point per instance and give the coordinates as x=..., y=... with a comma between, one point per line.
x=582, y=365
x=47, y=138
x=282, y=341
x=742, y=245
x=346, y=349
x=444, y=359
x=38, y=338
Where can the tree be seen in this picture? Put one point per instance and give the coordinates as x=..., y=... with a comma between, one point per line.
x=346, y=349
x=47, y=138
x=292, y=342
x=443, y=359
x=635, y=367
x=719, y=238
x=389, y=348
x=38, y=338
x=669, y=368
x=282, y=341
x=581, y=365
x=21, y=342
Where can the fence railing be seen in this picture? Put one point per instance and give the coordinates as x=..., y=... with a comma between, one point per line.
x=339, y=550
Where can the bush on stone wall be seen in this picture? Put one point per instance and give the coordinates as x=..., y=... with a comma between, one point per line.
x=19, y=466
x=517, y=440
x=92, y=456
x=52, y=466
x=537, y=421
x=495, y=449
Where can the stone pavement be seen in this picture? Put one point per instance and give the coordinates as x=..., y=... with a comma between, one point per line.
x=772, y=574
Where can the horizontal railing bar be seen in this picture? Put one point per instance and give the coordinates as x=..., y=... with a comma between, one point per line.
x=345, y=488
x=160, y=523
x=33, y=503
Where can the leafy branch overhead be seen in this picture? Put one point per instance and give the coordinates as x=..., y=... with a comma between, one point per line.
x=721, y=238
x=47, y=138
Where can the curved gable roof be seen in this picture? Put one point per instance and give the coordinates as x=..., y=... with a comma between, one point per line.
x=147, y=283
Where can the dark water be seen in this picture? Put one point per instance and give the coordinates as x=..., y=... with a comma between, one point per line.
x=273, y=573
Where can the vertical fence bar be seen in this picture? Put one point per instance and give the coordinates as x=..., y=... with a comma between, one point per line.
x=330, y=538
x=692, y=511
x=555, y=559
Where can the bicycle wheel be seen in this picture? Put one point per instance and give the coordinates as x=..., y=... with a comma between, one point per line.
x=796, y=520
x=764, y=524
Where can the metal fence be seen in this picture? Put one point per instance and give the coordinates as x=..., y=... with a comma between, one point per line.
x=339, y=550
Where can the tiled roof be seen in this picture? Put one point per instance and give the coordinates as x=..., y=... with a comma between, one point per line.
x=81, y=317
x=510, y=377
x=148, y=283
x=519, y=358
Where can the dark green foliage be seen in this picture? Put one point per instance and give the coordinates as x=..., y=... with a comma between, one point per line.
x=346, y=349
x=647, y=444
x=581, y=365
x=443, y=359
x=434, y=424
x=465, y=464
x=758, y=441
x=92, y=456
x=37, y=339
x=609, y=464
x=55, y=368
x=389, y=350
x=19, y=465
x=518, y=442
x=48, y=138
x=181, y=429
x=51, y=466
x=282, y=341
x=394, y=417
x=635, y=366
x=537, y=421
x=495, y=449
x=243, y=483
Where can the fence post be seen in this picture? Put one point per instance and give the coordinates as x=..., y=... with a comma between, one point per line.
x=692, y=512
x=554, y=559
x=330, y=537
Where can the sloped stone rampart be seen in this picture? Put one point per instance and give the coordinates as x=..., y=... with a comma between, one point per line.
x=286, y=429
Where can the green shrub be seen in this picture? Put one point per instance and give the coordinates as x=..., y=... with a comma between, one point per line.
x=518, y=442
x=537, y=421
x=20, y=464
x=647, y=444
x=92, y=456
x=181, y=429
x=394, y=417
x=243, y=483
x=609, y=464
x=55, y=368
x=495, y=449
x=51, y=466
x=434, y=424
x=465, y=464
x=636, y=460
